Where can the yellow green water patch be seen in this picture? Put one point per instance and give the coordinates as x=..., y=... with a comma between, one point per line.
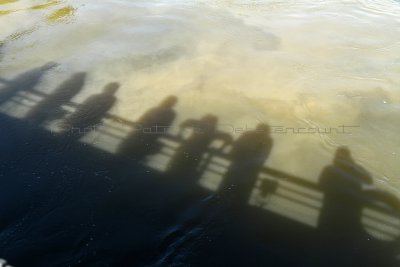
x=5, y=12
x=2, y=2
x=43, y=6
x=61, y=14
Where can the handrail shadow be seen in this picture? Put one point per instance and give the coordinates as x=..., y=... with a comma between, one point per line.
x=270, y=186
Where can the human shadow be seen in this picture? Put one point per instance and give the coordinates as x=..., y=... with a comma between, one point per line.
x=89, y=114
x=348, y=189
x=248, y=156
x=24, y=82
x=342, y=184
x=189, y=154
x=154, y=124
x=50, y=108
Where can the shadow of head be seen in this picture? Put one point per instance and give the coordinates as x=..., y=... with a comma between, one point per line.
x=263, y=128
x=169, y=102
x=111, y=88
x=343, y=157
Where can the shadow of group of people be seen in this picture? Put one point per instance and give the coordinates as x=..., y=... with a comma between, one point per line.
x=346, y=185
x=342, y=182
x=87, y=114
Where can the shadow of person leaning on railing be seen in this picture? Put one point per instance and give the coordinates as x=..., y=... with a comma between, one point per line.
x=23, y=82
x=50, y=108
x=348, y=189
x=154, y=124
x=248, y=156
x=220, y=211
x=189, y=154
x=342, y=184
x=89, y=114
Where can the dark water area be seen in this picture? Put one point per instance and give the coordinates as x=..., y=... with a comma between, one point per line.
x=69, y=203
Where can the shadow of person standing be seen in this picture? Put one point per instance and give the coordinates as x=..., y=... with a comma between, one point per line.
x=23, y=82
x=224, y=212
x=248, y=156
x=340, y=217
x=89, y=114
x=155, y=123
x=50, y=108
x=189, y=154
x=342, y=184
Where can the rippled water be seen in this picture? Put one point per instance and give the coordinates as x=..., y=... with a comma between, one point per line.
x=291, y=64
x=322, y=74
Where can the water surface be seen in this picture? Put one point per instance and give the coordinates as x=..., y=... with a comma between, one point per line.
x=323, y=75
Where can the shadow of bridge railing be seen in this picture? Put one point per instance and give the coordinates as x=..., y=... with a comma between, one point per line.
x=296, y=198
x=285, y=194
